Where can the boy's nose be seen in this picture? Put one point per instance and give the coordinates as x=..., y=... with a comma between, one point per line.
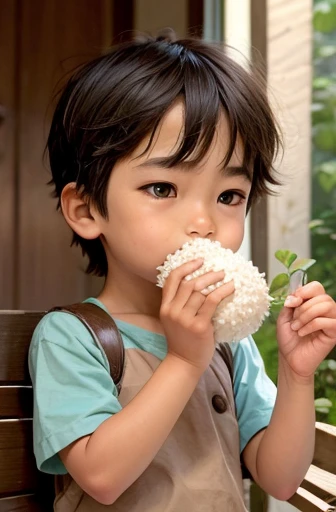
x=200, y=225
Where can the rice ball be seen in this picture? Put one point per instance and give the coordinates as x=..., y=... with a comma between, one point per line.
x=243, y=312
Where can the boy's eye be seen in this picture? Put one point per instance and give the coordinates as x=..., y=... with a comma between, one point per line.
x=230, y=197
x=161, y=190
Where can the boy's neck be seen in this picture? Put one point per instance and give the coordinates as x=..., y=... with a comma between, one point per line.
x=131, y=297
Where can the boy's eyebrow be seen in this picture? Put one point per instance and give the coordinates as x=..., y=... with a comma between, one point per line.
x=237, y=170
x=230, y=171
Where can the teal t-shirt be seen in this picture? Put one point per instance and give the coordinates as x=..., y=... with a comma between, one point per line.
x=74, y=392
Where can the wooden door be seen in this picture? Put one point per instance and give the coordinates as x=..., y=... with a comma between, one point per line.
x=40, y=41
x=7, y=152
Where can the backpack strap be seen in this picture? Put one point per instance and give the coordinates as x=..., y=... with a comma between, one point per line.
x=105, y=333
x=226, y=354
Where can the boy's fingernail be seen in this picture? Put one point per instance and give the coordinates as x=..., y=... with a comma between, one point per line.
x=290, y=300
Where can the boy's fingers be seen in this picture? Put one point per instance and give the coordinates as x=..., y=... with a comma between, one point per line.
x=319, y=299
x=292, y=301
x=190, y=295
x=325, y=325
x=208, y=279
x=194, y=304
x=184, y=288
x=322, y=309
x=214, y=298
x=286, y=315
x=175, y=277
x=310, y=290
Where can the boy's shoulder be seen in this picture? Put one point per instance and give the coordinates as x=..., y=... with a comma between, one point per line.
x=64, y=335
x=58, y=326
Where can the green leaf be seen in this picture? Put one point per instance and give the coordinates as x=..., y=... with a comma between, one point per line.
x=323, y=410
x=324, y=136
x=315, y=223
x=326, y=51
x=279, y=285
x=327, y=181
x=321, y=82
x=331, y=364
x=286, y=257
x=323, y=403
x=328, y=167
x=324, y=17
x=321, y=113
x=301, y=264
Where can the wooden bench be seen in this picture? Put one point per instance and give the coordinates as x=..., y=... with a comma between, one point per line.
x=23, y=488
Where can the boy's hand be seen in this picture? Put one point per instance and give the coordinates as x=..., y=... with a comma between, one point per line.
x=186, y=313
x=306, y=328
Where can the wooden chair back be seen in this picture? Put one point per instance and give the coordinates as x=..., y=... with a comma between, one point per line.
x=22, y=487
x=318, y=490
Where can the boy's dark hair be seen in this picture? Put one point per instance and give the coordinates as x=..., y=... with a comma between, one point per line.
x=111, y=103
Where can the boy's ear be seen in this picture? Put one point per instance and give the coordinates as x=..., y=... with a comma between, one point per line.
x=77, y=213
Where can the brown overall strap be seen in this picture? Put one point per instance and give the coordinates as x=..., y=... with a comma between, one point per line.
x=106, y=335
x=104, y=332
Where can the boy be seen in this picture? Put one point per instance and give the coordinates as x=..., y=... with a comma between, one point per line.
x=151, y=145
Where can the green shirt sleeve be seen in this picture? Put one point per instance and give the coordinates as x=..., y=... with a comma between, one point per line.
x=73, y=390
x=254, y=391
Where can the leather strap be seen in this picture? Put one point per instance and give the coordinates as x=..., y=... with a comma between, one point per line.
x=105, y=333
x=226, y=353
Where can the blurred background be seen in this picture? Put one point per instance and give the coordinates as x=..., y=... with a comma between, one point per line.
x=293, y=41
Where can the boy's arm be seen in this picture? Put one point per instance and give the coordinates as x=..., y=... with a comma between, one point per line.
x=278, y=457
x=108, y=461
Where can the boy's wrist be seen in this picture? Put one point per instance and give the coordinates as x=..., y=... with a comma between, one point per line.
x=290, y=376
x=187, y=368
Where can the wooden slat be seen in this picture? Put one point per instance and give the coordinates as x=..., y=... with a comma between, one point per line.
x=325, y=447
x=27, y=503
x=16, y=329
x=16, y=402
x=17, y=461
x=18, y=472
x=321, y=483
x=307, y=502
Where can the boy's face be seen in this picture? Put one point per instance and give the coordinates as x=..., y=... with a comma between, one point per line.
x=153, y=210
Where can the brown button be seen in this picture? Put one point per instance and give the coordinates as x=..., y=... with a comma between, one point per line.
x=219, y=404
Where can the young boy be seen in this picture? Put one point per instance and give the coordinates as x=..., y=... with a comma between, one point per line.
x=153, y=144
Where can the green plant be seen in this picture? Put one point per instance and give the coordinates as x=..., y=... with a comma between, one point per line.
x=280, y=286
x=325, y=381
x=323, y=224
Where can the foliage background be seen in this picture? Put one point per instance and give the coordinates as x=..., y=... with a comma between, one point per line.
x=323, y=223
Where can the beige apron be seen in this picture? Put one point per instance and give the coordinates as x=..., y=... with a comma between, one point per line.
x=197, y=468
